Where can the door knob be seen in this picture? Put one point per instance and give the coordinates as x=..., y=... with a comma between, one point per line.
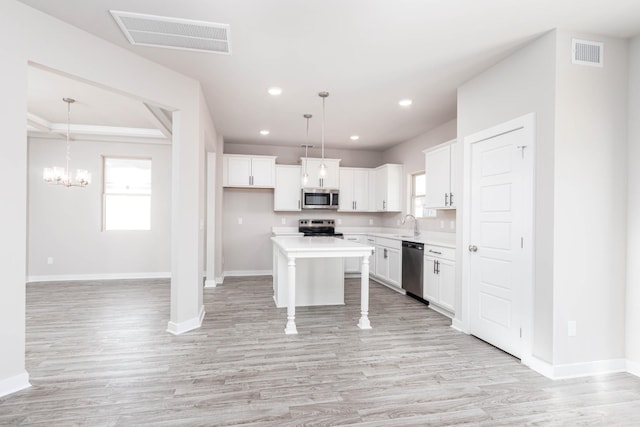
x=473, y=248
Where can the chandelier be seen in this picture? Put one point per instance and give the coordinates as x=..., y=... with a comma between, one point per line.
x=323, y=167
x=305, y=176
x=62, y=175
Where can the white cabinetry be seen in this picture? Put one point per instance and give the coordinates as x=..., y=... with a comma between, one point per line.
x=439, y=278
x=388, y=188
x=388, y=262
x=371, y=241
x=330, y=180
x=354, y=190
x=440, y=176
x=248, y=171
x=354, y=265
x=287, y=194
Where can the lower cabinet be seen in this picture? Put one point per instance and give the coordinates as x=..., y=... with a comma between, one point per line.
x=353, y=265
x=439, y=277
x=388, y=262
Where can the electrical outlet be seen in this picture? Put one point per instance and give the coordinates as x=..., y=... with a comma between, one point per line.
x=398, y=222
x=284, y=221
x=239, y=220
x=339, y=221
x=572, y=328
x=50, y=260
x=370, y=221
x=442, y=223
x=452, y=225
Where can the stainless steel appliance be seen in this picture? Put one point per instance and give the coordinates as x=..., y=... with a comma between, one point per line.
x=318, y=227
x=320, y=198
x=412, y=269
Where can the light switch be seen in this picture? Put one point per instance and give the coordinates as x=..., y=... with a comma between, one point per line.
x=284, y=221
x=239, y=220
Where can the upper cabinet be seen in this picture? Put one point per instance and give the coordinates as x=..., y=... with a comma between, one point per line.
x=387, y=184
x=354, y=190
x=330, y=180
x=287, y=194
x=440, y=174
x=249, y=171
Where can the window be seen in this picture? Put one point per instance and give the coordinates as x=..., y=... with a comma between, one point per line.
x=418, y=194
x=127, y=194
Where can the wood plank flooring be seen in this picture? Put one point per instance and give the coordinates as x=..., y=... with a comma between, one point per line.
x=98, y=355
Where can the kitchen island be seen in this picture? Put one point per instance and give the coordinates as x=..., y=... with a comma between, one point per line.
x=288, y=249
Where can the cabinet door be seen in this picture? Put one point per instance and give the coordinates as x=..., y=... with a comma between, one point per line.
x=454, y=170
x=238, y=170
x=430, y=289
x=437, y=176
x=372, y=259
x=360, y=190
x=447, y=271
x=286, y=194
x=346, y=190
x=332, y=178
x=381, y=189
x=262, y=171
x=382, y=263
x=394, y=257
x=352, y=265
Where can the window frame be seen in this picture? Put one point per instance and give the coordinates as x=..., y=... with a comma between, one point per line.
x=105, y=194
x=413, y=196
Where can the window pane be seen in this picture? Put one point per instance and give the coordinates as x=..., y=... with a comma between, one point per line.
x=127, y=176
x=127, y=212
x=418, y=206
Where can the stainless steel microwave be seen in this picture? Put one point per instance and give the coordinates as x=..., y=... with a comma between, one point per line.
x=320, y=198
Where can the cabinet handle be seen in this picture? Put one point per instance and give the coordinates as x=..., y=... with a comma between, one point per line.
x=435, y=252
x=450, y=199
x=298, y=204
x=446, y=199
x=385, y=254
x=435, y=271
x=438, y=267
x=355, y=205
x=384, y=205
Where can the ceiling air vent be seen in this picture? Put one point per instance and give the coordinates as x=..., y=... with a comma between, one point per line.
x=173, y=33
x=585, y=52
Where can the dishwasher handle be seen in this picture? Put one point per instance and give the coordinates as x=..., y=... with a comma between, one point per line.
x=412, y=245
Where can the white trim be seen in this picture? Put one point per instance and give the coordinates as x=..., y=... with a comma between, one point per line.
x=210, y=283
x=14, y=383
x=188, y=325
x=244, y=273
x=441, y=310
x=577, y=370
x=526, y=122
x=633, y=368
x=103, y=276
x=458, y=325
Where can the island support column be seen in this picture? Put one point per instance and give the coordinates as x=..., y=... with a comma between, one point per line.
x=291, y=329
x=364, y=323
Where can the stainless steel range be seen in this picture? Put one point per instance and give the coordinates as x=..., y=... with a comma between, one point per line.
x=318, y=227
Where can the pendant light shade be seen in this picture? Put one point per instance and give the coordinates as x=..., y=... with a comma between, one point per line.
x=322, y=171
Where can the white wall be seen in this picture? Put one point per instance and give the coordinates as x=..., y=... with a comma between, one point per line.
x=521, y=84
x=633, y=212
x=590, y=203
x=31, y=36
x=66, y=223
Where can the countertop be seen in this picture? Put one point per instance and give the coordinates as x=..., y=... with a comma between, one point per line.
x=293, y=244
x=447, y=240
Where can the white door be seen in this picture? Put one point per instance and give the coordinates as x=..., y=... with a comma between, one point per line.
x=499, y=267
x=286, y=194
x=430, y=282
x=346, y=189
x=360, y=189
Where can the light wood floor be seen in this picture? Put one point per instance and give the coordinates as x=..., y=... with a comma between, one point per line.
x=98, y=355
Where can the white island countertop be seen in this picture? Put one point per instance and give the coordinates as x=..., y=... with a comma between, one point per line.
x=313, y=247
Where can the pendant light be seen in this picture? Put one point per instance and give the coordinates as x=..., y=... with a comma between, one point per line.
x=323, y=168
x=62, y=175
x=305, y=176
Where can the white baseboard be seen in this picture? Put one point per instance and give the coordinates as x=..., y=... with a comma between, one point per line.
x=633, y=368
x=188, y=325
x=245, y=273
x=105, y=276
x=14, y=383
x=441, y=310
x=576, y=370
x=458, y=325
x=213, y=282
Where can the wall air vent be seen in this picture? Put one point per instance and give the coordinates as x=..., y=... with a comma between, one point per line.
x=585, y=52
x=173, y=33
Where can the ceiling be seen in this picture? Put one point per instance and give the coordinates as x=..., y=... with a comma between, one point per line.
x=368, y=54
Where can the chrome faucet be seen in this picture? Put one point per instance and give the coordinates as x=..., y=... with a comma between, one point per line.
x=416, y=233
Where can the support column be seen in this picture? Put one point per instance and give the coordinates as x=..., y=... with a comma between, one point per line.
x=291, y=329
x=364, y=323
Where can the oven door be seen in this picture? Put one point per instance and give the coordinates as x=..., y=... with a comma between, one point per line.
x=318, y=199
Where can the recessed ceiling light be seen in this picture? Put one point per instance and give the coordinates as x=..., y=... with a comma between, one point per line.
x=354, y=137
x=264, y=132
x=275, y=91
x=405, y=102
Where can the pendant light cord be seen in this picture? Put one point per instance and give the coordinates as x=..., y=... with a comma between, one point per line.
x=68, y=138
x=323, y=99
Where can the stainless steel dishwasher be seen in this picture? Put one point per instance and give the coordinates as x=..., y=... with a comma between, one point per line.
x=412, y=268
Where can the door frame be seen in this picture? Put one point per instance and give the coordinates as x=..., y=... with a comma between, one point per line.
x=526, y=122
